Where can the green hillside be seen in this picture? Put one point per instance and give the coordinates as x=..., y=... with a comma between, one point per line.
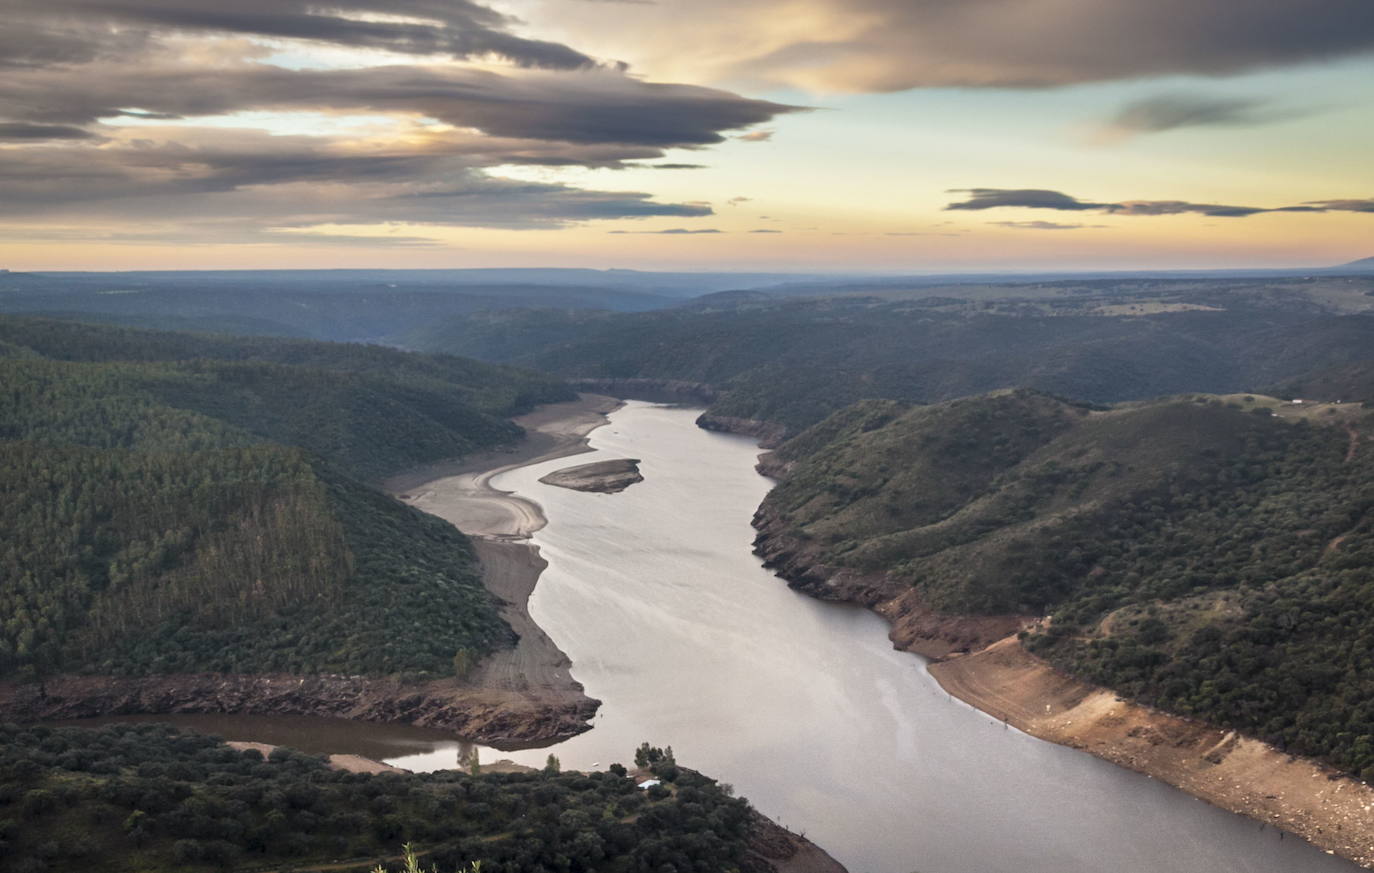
x=142, y=799
x=169, y=512
x=793, y=362
x=1349, y=383
x=1200, y=553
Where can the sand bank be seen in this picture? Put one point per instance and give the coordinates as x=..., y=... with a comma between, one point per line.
x=461, y=493
x=499, y=523
x=348, y=763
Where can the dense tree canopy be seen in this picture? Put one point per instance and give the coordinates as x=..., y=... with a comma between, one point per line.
x=1200, y=553
x=148, y=798
x=179, y=502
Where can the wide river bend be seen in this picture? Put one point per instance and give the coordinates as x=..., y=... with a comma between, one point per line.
x=804, y=706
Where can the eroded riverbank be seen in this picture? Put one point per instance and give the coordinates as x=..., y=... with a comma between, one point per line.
x=980, y=660
x=1236, y=773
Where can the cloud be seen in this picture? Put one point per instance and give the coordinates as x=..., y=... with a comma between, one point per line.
x=1366, y=205
x=1173, y=111
x=454, y=28
x=596, y=106
x=756, y=136
x=1030, y=198
x=672, y=166
x=88, y=84
x=1038, y=198
x=285, y=181
x=765, y=230
x=892, y=45
x=1043, y=225
x=736, y=201
x=19, y=130
x=673, y=231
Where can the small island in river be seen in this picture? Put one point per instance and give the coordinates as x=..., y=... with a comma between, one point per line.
x=604, y=477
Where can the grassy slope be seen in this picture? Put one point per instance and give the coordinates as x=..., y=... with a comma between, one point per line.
x=170, y=513
x=1200, y=554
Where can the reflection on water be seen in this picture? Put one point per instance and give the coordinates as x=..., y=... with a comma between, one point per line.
x=802, y=705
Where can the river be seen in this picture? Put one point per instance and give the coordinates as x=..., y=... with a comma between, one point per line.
x=804, y=706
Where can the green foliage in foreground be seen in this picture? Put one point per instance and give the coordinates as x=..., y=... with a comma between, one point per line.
x=1204, y=556
x=148, y=798
x=168, y=514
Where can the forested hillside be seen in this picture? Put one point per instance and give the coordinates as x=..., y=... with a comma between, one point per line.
x=795, y=362
x=343, y=305
x=147, y=798
x=1353, y=382
x=179, y=503
x=1213, y=555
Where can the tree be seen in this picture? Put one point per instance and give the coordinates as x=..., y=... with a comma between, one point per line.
x=463, y=662
x=412, y=863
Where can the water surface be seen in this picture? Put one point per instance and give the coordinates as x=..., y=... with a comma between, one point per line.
x=803, y=706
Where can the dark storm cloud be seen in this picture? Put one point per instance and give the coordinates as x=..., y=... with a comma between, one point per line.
x=1038, y=198
x=456, y=28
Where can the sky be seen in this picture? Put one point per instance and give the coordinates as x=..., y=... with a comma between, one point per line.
x=807, y=135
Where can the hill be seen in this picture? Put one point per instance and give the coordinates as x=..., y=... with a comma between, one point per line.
x=1209, y=555
x=1353, y=382
x=182, y=503
x=147, y=799
x=343, y=305
x=790, y=363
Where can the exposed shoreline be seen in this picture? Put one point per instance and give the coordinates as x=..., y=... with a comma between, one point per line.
x=1237, y=773
x=499, y=525
x=980, y=660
